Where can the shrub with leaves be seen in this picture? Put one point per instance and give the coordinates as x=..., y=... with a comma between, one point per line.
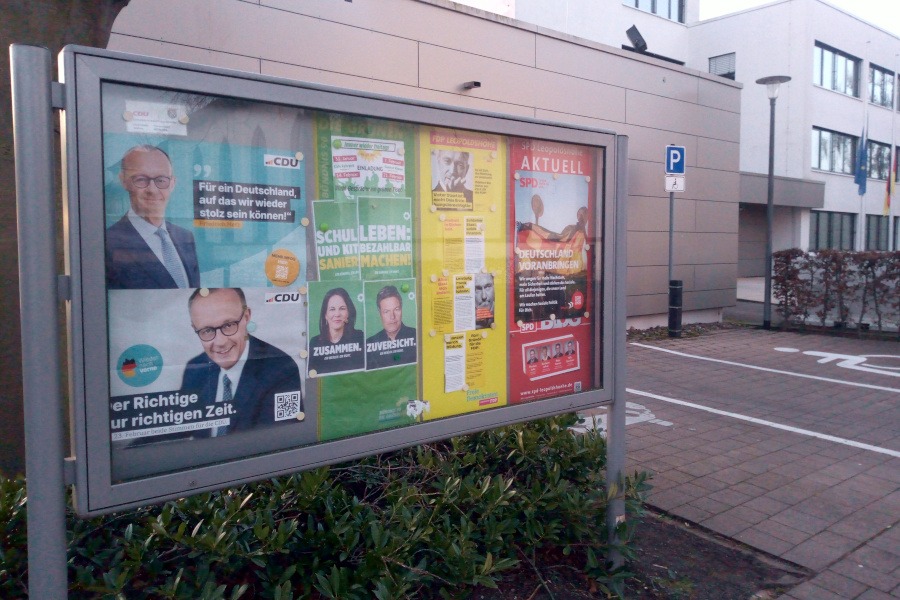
x=826, y=283
x=432, y=521
x=792, y=285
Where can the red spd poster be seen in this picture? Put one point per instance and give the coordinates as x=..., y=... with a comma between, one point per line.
x=554, y=237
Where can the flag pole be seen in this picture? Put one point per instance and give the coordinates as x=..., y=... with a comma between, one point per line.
x=892, y=175
x=861, y=226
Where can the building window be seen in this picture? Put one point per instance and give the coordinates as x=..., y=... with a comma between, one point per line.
x=722, y=65
x=835, y=70
x=879, y=160
x=833, y=151
x=877, y=232
x=669, y=9
x=881, y=86
x=831, y=230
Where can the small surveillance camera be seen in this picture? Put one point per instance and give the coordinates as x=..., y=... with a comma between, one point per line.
x=470, y=85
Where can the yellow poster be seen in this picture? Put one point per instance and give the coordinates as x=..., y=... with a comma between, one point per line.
x=463, y=270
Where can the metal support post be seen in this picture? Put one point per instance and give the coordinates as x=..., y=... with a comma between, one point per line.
x=615, y=446
x=770, y=216
x=675, y=286
x=671, y=234
x=42, y=383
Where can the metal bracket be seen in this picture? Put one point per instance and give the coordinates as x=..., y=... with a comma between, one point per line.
x=63, y=287
x=57, y=95
x=69, y=470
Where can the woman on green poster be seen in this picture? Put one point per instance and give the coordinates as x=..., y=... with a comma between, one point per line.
x=339, y=346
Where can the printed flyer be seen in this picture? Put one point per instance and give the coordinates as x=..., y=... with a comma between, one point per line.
x=363, y=157
x=552, y=225
x=463, y=196
x=365, y=238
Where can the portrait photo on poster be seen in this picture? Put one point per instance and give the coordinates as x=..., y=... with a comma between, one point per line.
x=549, y=357
x=483, y=293
x=203, y=363
x=337, y=342
x=145, y=250
x=182, y=211
x=451, y=179
x=391, y=319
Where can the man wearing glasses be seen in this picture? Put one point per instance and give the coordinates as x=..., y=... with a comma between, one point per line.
x=238, y=377
x=143, y=249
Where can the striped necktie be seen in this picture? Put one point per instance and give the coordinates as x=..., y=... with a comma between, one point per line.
x=170, y=258
x=227, y=396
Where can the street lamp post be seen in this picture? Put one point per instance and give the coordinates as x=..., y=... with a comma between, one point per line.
x=772, y=84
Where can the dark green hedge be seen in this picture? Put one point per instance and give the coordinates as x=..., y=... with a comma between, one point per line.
x=432, y=521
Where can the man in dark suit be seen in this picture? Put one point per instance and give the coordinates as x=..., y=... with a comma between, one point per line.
x=238, y=376
x=449, y=170
x=143, y=250
x=395, y=344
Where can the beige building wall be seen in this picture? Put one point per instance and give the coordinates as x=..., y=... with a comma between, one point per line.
x=426, y=49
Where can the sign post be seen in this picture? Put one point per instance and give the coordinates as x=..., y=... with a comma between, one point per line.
x=42, y=383
x=675, y=161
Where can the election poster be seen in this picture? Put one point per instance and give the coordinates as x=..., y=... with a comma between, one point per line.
x=206, y=363
x=365, y=174
x=183, y=211
x=336, y=226
x=363, y=157
x=463, y=254
x=337, y=328
x=385, y=238
x=391, y=318
x=554, y=233
x=386, y=394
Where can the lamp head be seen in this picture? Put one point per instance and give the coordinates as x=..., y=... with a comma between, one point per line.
x=772, y=84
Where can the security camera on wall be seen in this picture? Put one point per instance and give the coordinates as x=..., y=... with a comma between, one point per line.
x=636, y=39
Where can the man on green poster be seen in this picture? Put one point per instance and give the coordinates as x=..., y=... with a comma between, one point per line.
x=395, y=344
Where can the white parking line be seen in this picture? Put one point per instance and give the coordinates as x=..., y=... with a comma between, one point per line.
x=725, y=413
x=766, y=369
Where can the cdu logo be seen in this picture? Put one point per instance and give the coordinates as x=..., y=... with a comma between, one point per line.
x=283, y=162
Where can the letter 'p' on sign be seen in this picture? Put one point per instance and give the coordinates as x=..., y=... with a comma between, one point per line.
x=674, y=160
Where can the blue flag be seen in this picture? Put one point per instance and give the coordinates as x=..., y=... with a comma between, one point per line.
x=862, y=163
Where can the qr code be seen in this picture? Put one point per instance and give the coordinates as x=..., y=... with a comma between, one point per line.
x=281, y=272
x=577, y=386
x=287, y=405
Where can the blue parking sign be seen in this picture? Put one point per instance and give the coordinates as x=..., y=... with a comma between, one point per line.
x=674, y=160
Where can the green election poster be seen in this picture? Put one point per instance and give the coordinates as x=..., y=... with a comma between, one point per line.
x=337, y=243
x=385, y=238
x=369, y=164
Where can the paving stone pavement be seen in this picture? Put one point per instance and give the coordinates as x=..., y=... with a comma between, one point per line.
x=823, y=493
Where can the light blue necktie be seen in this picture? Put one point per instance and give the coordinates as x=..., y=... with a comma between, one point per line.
x=170, y=258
